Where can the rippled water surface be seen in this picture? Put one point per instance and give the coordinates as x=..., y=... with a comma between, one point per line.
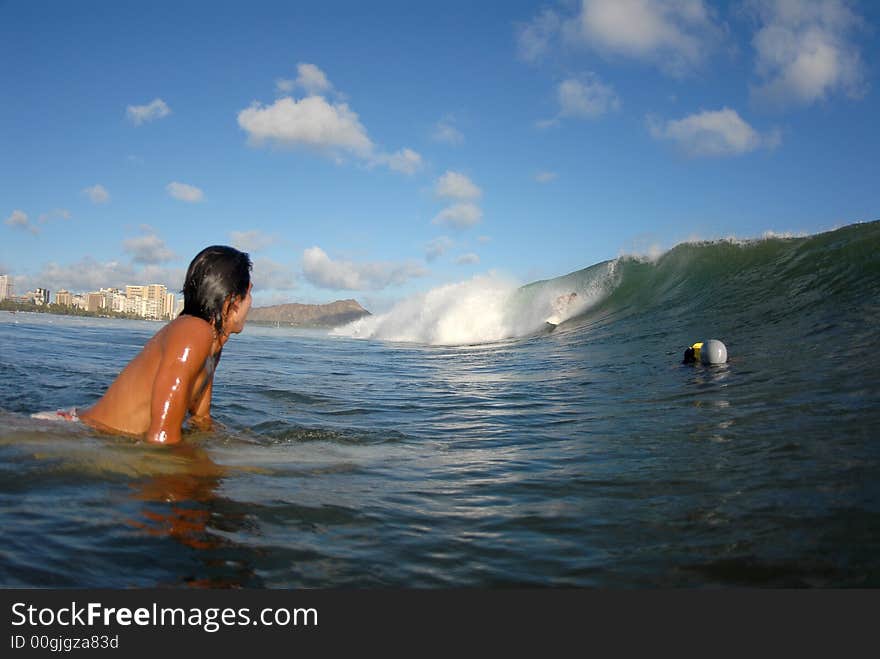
x=565, y=459
x=585, y=456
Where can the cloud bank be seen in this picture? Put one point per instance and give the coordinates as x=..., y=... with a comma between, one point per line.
x=458, y=187
x=148, y=249
x=251, y=241
x=270, y=275
x=88, y=274
x=18, y=219
x=805, y=52
x=712, y=133
x=676, y=36
x=321, y=271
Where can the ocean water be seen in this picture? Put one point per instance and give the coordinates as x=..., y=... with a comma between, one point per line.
x=458, y=442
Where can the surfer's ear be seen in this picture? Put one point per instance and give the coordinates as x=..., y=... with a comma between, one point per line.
x=229, y=305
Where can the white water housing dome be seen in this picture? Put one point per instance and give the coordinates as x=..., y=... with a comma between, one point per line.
x=713, y=352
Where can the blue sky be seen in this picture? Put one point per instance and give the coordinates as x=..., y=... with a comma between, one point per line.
x=375, y=150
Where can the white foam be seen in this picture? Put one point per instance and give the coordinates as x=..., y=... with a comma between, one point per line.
x=472, y=311
x=483, y=309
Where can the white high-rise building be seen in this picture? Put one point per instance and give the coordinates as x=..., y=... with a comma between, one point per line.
x=168, y=312
x=6, y=289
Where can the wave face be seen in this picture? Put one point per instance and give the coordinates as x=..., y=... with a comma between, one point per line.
x=695, y=287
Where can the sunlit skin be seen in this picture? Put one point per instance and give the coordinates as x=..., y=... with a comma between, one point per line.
x=172, y=375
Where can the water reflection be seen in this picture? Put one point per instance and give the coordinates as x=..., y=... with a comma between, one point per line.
x=183, y=505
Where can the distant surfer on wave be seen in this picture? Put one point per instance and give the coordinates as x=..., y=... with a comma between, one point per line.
x=560, y=306
x=174, y=372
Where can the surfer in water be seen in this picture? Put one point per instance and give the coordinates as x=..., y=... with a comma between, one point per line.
x=174, y=373
x=560, y=307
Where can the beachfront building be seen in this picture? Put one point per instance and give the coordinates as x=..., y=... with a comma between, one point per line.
x=94, y=301
x=134, y=305
x=152, y=301
x=155, y=292
x=134, y=292
x=6, y=289
x=114, y=299
x=64, y=298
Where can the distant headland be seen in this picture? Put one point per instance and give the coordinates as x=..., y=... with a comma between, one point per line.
x=308, y=315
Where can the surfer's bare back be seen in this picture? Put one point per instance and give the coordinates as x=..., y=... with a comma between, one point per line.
x=174, y=373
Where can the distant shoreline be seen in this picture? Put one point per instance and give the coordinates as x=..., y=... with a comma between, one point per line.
x=56, y=310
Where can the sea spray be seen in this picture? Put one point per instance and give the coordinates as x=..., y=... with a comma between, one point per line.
x=473, y=311
x=486, y=308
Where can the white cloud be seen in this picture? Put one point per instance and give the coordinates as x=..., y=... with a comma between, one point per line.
x=454, y=185
x=535, y=39
x=437, y=248
x=468, y=259
x=459, y=216
x=586, y=99
x=184, y=192
x=251, y=241
x=310, y=122
x=139, y=114
x=97, y=193
x=284, y=86
x=484, y=239
x=333, y=129
x=675, y=35
x=90, y=275
x=19, y=220
x=323, y=272
x=312, y=80
x=805, y=52
x=405, y=161
x=712, y=133
x=269, y=275
x=546, y=177
x=148, y=248
x=446, y=132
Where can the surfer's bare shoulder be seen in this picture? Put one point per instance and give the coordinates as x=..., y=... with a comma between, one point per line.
x=189, y=328
x=188, y=344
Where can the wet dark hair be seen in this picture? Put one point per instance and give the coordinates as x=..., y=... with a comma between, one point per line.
x=215, y=274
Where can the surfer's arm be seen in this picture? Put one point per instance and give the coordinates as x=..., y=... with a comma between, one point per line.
x=182, y=359
x=200, y=410
x=200, y=407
